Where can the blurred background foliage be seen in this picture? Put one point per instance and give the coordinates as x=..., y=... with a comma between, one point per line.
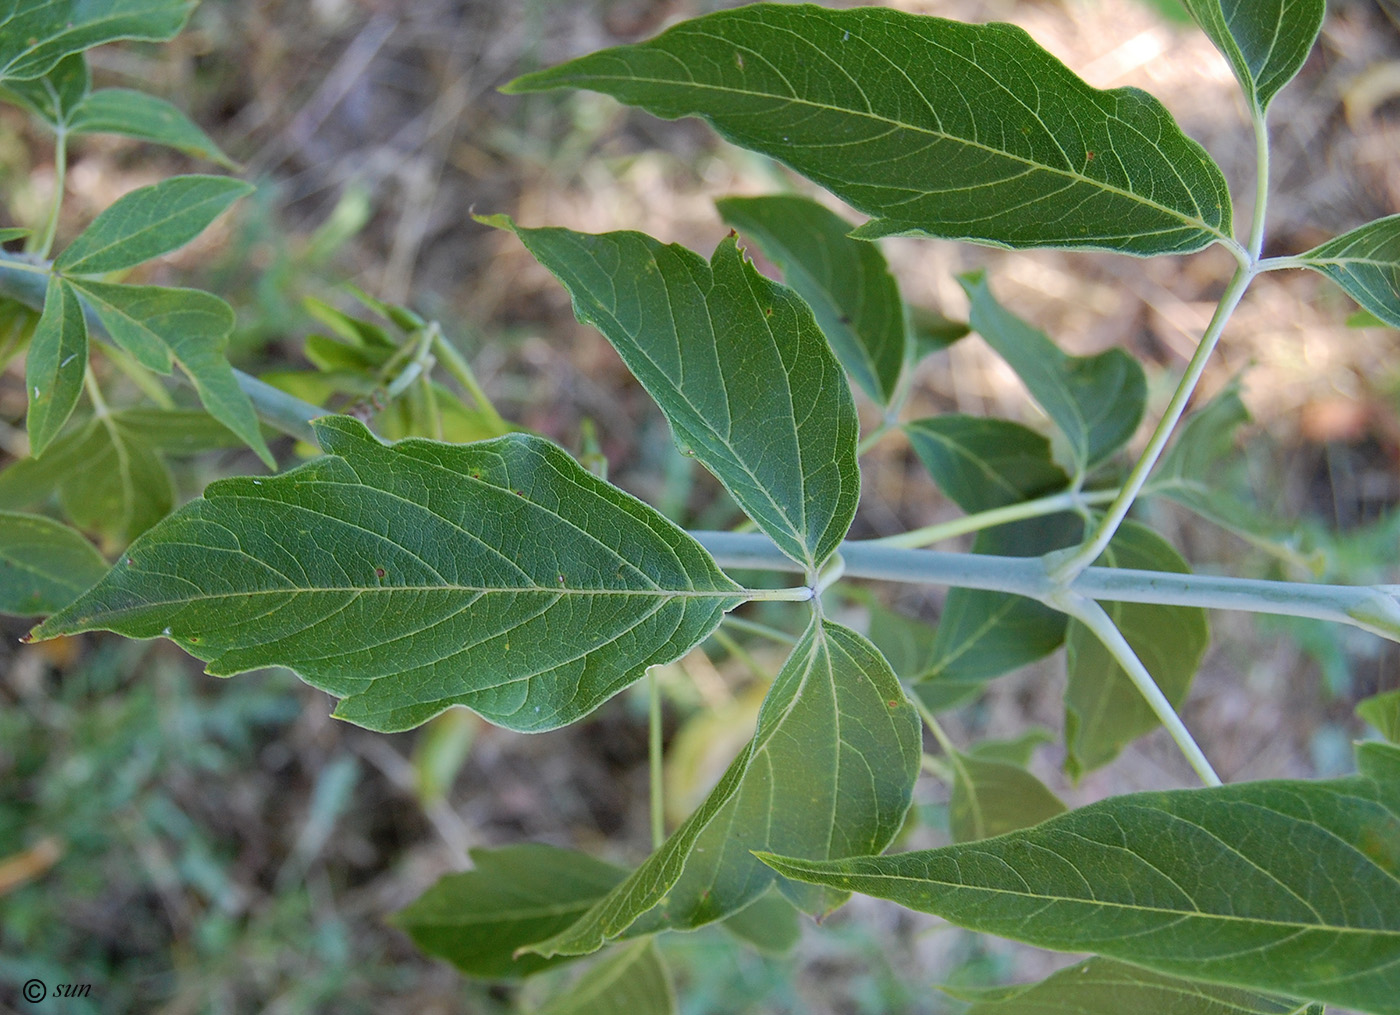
x=190, y=845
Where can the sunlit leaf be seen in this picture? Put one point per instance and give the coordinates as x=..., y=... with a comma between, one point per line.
x=1366, y=263
x=54, y=368
x=1096, y=401
x=633, y=980
x=44, y=565
x=1104, y=711
x=515, y=895
x=932, y=127
x=158, y=324
x=1105, y=987
x=36, y=34
x=1286, y=886
x=144, y=117
x=411, y=577
x=992, y=796
x=148, y=222
x=737, y=364
x=829, y=771
x=53, y=97
x=1264, y=41
x=845, y=281
x=1383, y=712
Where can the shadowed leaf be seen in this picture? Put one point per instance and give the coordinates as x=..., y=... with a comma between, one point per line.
x=1264, y=41
x=144, y=117
x=633, y=980
x=43, y=565
x=1366, y=263
x=57, y=361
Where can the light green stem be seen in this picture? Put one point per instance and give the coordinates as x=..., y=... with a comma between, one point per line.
x=45, y=239
x=1261, y=185
x=1092, y=616
x=656, y=759
x=456, y=364
x=1038, y=508
x=762, y=630
x=1065, y=565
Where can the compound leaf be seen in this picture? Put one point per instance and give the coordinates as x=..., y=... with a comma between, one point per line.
x=36, y=34
x=146, y=118
x=845, y=281
x=515, y=895
x=1104, y=711
x=830, y=771
x=1283, y=886
x=738, y=366
x=57, y=361
x=1366, y=263
x=932, y=127
x=1095, y=401
x=407, y=578
x=191, y=327
x=1264, y=41
x=1100, y=986
x=43, y=565
x=148, y=222
x=991, y=796
x=631, y=981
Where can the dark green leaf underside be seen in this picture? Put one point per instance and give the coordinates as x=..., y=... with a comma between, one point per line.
x=1264, y=41
x=408, y=578
x=933, y=127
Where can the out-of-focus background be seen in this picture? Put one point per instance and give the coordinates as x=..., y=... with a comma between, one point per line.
x=189, y=845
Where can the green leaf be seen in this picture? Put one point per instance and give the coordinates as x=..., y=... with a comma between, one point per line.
x=829, y=771
x=177, y=431
x=13, y=233
x=148, y=222
x=1379, y=761
x=982, y=463
x=1366, y=263
x=146, y=118
x=1383, y=712
x=57, y=361
x=191, y=327
x=54, y=96
x=1096, y=401
x=36, y=34
x=991, y=797
x=1104, y=711
x=1105, y=987
x=17, y=323
x=907, y=644
x=1286, y=886
x=932, y=332
x=768, y=924
x=631, y=981
x=933, y=127
x=1264, y=41
x=737, y=364
x=515, y=896
x=412, y=577
x=43, y=565
x=846, y=282
x=1014, y=752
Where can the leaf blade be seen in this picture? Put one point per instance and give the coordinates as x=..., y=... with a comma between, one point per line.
x=56, y=365
x=932, y=126
x=36, y=34
x=148, y=222
x=242, y=579
x=43, y=565
x=146, y=118
x=1264, y=41
x=1365, y=262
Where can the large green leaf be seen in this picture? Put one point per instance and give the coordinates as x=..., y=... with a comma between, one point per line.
x=846, y=282
x=54, y=96
x=157, y=325
x=1105, y=987
x=933, y=127
x=992, y=796
x=1104, y=711
x=1366, y=263
x=1265, y=41
x=829, y=771
x=1287, y=886
x=148, y=222
x=108, y=478
x=411, y=577
x=36, y=34
x=57, y=361
x=984, y=464
x=146, y=118
x=737, y=364
x=1096, y=401
x=43, y=565
x=516, y=895
x=631, y=981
